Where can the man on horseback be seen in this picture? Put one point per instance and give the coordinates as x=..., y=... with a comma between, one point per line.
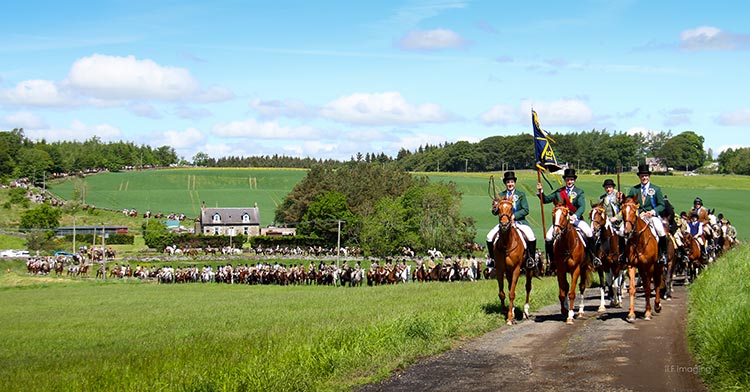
x=611, y=204
x=695, y=227
x=573, y=198
x=520, y=210
x=699, y=209
x=651, y=204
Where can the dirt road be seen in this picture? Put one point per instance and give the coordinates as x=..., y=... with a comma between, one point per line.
x=600, y=352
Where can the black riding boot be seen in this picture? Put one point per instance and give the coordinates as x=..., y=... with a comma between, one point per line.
x=491, y=254
x=531, y=248
x=621, y=259
x=590, y=245
x=663, y=250
x=548, y=251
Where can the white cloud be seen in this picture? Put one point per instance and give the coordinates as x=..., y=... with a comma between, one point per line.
x=78, y=131
x=179, y=139
x=566, y=112
x=388, y=108
x=192, y=113
x=431, y=40
x=253, y=129
x=500, y=115
x=737, y=117
x=712, y=38
x=25, y=120
x=676, y=117
x=142, y=109
x=214, y=94
x=285, y=108
x=113, y=77
x=36, y=93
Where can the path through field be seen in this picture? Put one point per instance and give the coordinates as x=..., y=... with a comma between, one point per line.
x=601, y=352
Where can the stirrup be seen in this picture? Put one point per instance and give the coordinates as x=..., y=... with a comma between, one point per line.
x=530, y=263
x=597, y=262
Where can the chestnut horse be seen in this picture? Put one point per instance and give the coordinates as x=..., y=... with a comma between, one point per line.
x=609, y=253
x=509, y=254
x=569, y=255
x=642, y=253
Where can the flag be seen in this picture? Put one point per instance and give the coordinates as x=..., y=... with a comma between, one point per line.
x=545, y=157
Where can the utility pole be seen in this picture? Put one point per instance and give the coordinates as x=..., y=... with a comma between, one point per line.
x=338, y=243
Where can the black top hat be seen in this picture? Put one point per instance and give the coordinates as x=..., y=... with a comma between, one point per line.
x=644, y=169
x=509, y=175
x=570, y=173
x=608, y=181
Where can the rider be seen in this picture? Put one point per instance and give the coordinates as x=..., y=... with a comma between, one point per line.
x=573, y=198
x=650, y=204
x=520, y=210
x=696, y=230
x=698, y=208
x=610, y=201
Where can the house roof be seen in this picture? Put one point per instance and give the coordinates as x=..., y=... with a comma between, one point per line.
x=230, y=216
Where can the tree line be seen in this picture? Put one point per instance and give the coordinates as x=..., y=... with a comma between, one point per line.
x=21, y=157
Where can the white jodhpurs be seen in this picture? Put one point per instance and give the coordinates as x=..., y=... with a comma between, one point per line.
x=579, y=224
x=525, y=229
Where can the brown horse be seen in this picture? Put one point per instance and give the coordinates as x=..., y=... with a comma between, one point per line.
x=696, y=260
x=642, y=253
x=569, y=255
x=609, y=253
x=508, y=254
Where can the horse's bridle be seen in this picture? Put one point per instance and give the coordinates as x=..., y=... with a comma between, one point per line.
x=563, y=228
x=508, y=215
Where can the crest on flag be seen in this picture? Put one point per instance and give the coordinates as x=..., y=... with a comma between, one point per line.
x=545, y=157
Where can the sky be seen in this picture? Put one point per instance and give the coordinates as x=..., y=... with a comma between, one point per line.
x=329, y=79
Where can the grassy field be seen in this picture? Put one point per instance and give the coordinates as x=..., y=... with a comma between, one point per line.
x=719, y=321
x=182, y=191
x=70, y=334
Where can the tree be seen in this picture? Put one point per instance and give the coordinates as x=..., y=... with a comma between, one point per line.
x=200, y=159
x=43, y=217
x=322, y=216
x=156, y=235
x=385, y=232
x=683, y=151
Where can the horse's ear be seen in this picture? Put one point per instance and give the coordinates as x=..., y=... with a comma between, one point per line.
x=711, y=211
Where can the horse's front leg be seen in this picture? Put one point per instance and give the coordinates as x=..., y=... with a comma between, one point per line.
x=512, y=277
x=631, y=291
x=572, y=295
x=562, y=284
x=500, y=276
x=602, y=291
x=646, y=276
x=526, y=306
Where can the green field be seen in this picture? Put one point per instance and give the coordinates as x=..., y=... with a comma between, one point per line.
x=69, y=334
x=183, y=191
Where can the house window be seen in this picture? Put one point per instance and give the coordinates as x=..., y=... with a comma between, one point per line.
x=216, y=231
x=217, y=218
x=246, y=218
x=246, y=230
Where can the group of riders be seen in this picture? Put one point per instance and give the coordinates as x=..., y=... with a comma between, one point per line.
x=653, y=207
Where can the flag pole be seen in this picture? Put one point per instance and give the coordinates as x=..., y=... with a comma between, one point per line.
x=541, y=200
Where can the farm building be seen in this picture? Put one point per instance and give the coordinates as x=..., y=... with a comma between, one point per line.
x=229, y=221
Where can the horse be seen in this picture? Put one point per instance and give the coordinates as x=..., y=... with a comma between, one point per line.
x=642, y=253
x=695, y=259
x=569, y=256
x=609, y=253
x=509, y=253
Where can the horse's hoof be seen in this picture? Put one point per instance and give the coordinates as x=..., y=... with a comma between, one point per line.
x=630, y=319
x=525, y=316
x=657, y=308
x=602, y=309
x=509, y=322
x=669, y=298
x=647, y=318
x=569, y=321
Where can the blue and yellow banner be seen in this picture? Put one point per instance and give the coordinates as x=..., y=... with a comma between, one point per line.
x=545, y=157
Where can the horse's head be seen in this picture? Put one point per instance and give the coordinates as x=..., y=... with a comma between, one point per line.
x=505, y=213
x=629, y=211
x=560, y=220
x=598, y=218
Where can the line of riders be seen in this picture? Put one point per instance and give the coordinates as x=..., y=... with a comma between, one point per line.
x=712, y=233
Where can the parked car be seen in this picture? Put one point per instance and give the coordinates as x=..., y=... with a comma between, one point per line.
x=14, y=253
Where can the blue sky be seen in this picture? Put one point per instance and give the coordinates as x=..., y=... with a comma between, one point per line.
x=328, y=79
